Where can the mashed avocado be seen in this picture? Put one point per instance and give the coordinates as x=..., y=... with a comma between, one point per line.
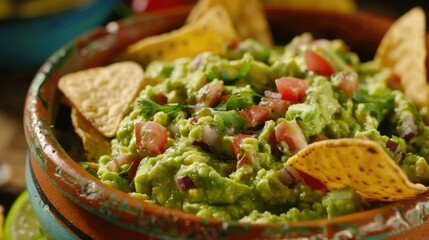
x=212, y=136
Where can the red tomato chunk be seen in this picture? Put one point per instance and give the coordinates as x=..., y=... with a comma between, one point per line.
x=292, y=89
x=151, y=138
x=290, y=133
x=318, y=64
x=255, y=115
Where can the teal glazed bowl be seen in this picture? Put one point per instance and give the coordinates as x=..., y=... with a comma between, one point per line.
x=26, y=43
x=72, y=204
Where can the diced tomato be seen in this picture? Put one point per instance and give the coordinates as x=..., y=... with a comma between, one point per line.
x=278, y=106
x=236, y=142
x=349, y=87
x=255, y=115
x=160, y=99
x=318, y=64
x=224, y=98
x=274, y=144
x=245, y=160
x=209, y=94
x=133, y=169
x=151, y=138
x=258, y=114
x=312, y=182
x=246, y=118
x=291, y=89
x=394, y=81
x=272, y=140
x=290, y=133
x=233, y=44
x=271, y=94
x=349, y=82
x=116, y=164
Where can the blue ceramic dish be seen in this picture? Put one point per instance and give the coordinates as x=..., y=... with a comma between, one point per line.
x=45, y=213
x=26, y=43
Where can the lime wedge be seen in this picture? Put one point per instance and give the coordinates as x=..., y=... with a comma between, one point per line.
x=1, y=222
x=21, y=221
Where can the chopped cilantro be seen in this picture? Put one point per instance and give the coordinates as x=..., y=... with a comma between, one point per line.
x=376, y=106
x=241, y=100
x=149, y=107
x=229, y=120
x=124, y=171
x=90, y=168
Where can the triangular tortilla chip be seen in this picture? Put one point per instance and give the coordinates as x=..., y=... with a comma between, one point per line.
x=104, y=94
x=248, y=17
x=94, y=143
x=358, y=163
x=403, y=48
x=328, y=5
x=210, y=33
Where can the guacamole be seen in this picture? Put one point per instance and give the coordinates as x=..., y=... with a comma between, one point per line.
x=212, y=135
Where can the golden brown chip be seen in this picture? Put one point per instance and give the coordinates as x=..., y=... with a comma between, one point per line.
x=210, y=33
x=104, y=94
x=94, y=143
x=403, y=49
x=248, y=17
x=330, y=5
x=357, y=163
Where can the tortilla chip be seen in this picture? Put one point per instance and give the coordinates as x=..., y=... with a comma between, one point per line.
x=103, y=95
x=358, y=163
x=403, y=48
x=210, y=33
x=94, y=143
x=248, y=17
x=329, y=5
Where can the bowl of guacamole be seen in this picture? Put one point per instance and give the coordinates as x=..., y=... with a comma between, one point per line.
x=213, y=145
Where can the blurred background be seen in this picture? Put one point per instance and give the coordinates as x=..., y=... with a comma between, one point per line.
x=31, y=30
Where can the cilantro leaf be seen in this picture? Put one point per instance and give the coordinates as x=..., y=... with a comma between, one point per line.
x=244, y=70
x=212, y=76
x=90, y=167
x=229, y=120
x=149, y=107
x=376, y=106
x=241, y=100
x=124, y=171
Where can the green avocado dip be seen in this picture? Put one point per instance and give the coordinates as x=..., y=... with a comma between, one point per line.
x=212, y=135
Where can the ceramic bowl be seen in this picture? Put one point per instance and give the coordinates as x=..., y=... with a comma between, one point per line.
x=73, y=204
